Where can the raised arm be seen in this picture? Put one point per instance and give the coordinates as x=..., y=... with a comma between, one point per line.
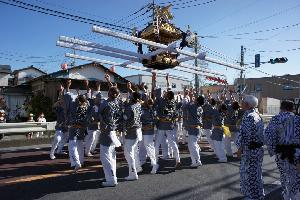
x=129, y=88
x=168, y=82
x=107, y=78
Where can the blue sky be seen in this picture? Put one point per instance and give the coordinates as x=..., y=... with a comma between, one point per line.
x=29, y=38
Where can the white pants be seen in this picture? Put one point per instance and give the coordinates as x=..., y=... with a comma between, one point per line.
x=58, y=142
x=194, y=148
x=147, y=149
x=76, y=152
x=219, y=150
x=91, y=140
x=161, y=139
x=227, y=144
x=132, y=155
x=208, y=133
x=64, y=140
x=171, y=136
x=109, y=163
x=181, y=133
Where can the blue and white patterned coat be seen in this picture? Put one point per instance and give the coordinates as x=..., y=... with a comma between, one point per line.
x=284, y=128
x=251, y=159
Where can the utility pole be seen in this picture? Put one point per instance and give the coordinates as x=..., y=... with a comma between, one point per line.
x=196, y=65
x=242, y=71
x=74, y=59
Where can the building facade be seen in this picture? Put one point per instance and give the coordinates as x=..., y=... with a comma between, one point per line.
x=280, y=87
x=5, y=74
x=24, y=75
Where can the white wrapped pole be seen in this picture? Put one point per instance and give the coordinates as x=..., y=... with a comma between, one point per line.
x=97, y=51
x=132, y=67
x=123, y=36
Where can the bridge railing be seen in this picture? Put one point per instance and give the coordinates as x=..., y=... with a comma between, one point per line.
x=26, y=127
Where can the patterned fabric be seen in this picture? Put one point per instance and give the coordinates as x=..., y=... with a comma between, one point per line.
x=232, y=119
x=148, y=119
x=78, y=118
x=207, y=116
x=132, y=120
x=194, y=118
x=251, y=159
x=166, y=112
x=284, y=129
x=110, y=113
x=60, y=117
x=217, y=122
x=93, y=118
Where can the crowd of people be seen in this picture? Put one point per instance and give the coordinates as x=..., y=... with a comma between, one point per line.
x=147, y=122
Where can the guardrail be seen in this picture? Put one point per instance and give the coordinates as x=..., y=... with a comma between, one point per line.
x=26, y=127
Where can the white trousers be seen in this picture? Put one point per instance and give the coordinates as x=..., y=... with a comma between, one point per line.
x=147, y=149
x=208, y=133
x=109, y=163
x=181, y=133
x=64, y=140
x=58, y=142
x=91, y=140
x=194, y=148
x=132, y=155
x=227, y=144
x=171, y=136
x=161, y=140
x=219, y=150
x=76, y=152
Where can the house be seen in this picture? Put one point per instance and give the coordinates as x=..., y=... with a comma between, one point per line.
x=5, y=74
x=24, y=75
x=49, y=84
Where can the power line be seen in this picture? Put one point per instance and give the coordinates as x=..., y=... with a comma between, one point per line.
x=64, y=15
x=274, y=51
x=134, y=13
x=73, y=10
x=195, y=5
x=252, y=67
x=256, y=32
x=231, y=14
x=181, y=2
x=260, y=19
x=171, y=2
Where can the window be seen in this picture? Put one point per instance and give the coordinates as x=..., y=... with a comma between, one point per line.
x=173, y=85
x=258, y=87
x=287, y=86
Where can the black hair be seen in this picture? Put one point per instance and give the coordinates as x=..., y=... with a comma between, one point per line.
x=213, y=102
x=287, y=105
x=170, y=95
x=200, y=100
x=113, y=92
x=135, y=97
x=82, y=98
x=235, y=105
x=223, y=107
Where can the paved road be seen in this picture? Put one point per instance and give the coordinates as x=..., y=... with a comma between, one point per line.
x=30, y=174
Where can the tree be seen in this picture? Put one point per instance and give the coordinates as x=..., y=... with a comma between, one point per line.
x=42, y=104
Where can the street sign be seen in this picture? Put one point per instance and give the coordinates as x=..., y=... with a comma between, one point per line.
x=257, y=60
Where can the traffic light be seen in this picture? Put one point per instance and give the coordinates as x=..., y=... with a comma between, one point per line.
x=278, y=60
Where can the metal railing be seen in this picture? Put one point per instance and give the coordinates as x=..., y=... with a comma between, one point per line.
x=26, y=127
